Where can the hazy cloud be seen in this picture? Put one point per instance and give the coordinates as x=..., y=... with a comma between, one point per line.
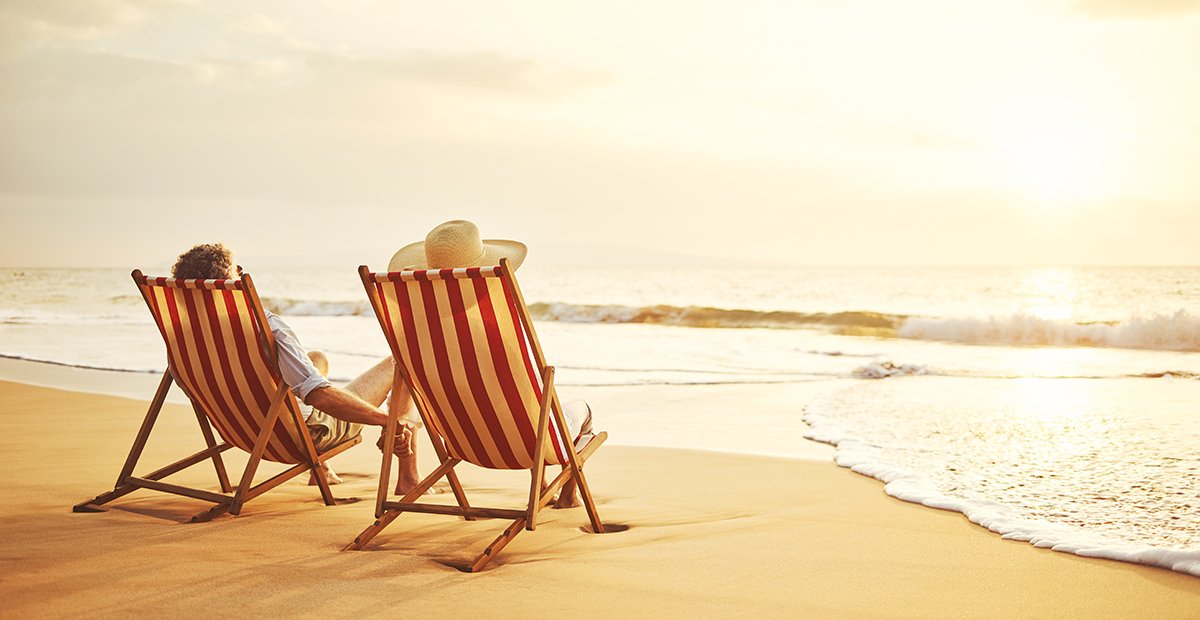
x=62, y=75
x=488, y=71
x=937, y=140
x=256, y=24
x=1119, y=9
x=27, y=22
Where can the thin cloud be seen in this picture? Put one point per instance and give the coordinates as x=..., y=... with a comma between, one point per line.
x=1135, y=9
x=487, y=71
x=24, y=23
x=256, y=24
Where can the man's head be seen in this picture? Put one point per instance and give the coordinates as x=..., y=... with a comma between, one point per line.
x=207, y=261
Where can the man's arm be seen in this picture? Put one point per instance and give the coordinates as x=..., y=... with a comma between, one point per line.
x=346, y=406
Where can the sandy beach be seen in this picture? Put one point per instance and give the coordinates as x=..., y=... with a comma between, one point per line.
x=710, y=534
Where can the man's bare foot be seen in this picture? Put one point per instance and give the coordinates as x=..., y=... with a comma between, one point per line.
x=330, y=476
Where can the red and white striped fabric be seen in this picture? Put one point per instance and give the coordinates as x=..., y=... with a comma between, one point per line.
x=215, y=353
x=461, y=340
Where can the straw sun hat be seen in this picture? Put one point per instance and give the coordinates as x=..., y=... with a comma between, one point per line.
x=457, y=244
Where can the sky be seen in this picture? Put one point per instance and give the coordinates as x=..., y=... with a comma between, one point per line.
x=803, y=132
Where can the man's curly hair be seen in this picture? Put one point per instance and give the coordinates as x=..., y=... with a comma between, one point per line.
x=209, y=261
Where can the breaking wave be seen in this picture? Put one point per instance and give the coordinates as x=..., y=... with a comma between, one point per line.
x=700, y=316
x=307, y=307
x=1171, y=332
x=1175, y=332
x=683, y=316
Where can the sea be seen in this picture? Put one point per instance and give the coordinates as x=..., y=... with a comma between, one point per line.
x=1058, y=406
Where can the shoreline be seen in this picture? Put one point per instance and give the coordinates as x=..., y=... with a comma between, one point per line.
x=738, y=534
x=861, y=457
x=680, y=416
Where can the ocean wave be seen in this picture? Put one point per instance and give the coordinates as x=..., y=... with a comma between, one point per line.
x=66, y=364
x=308, y=307
x=1170, y=332
x=1166, y=374
x=1176, y=332
x=61, y=318
x=702, y=316
x=682, y=316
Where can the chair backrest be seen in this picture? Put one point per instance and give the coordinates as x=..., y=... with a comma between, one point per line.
x=221, y=354
x=462, y=341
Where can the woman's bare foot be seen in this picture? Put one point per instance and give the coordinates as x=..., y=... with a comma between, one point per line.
x=567, y=497
x=407, y=478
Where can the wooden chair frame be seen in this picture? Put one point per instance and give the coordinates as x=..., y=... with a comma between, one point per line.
x=540, y=493
x=228, y=500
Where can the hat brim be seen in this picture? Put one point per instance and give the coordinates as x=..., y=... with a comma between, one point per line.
x=412, y=256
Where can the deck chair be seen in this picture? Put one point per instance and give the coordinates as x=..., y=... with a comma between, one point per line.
x=222, y=354
x=468, y=354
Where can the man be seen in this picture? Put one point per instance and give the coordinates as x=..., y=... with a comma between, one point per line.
x=333, y=414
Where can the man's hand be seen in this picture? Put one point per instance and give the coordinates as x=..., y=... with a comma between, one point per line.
x=403, y=443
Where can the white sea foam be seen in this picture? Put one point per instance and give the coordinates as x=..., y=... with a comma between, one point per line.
x=868, y=459
x=310, y=307
x=884, y=369
x=1170, y=332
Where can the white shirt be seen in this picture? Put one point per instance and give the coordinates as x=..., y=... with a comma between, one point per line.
x=297, y=370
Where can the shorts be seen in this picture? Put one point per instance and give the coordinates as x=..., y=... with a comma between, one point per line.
x=328, y=431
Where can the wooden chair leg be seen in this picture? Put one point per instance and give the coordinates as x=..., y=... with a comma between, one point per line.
x=588, y=503
x=210, y=514
x=315, y=461
x=389, y=515
x=210, y=441
x=493, y=549
x=260, y=446
x=459, y=495
x=452, y=477
x=94, y=504
x=366, y=535
x=439, y=448
x=538, y=469
x=318, y=472
x=577, y=468
x=385, y=469
x=139, y=443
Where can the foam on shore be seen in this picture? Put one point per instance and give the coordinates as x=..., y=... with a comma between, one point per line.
x=862, y=457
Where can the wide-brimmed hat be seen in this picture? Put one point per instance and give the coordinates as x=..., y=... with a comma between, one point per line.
x=457, y=244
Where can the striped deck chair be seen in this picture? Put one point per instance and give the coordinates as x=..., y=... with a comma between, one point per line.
x=470, y=358
x=222, y=354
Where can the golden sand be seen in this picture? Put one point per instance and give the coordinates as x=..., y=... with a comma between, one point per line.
x=709, y=534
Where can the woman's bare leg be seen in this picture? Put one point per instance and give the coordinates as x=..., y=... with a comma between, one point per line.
x=374, y=384
x=407, y=477
x=374, y=387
